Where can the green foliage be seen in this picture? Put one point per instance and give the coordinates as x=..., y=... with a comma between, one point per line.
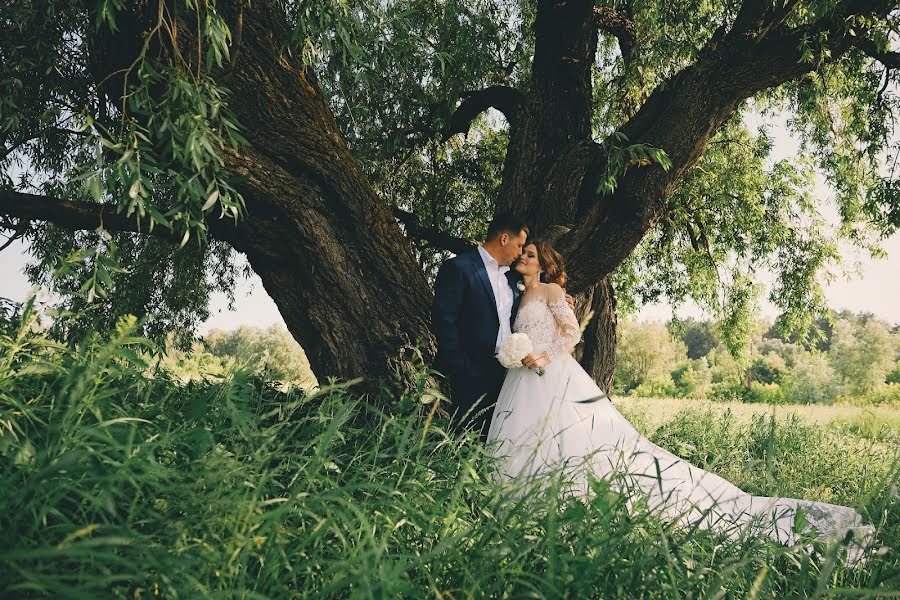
x=620, y=156
x=692, y=379
x=740, y=318
x=272, y=352
x=699, y=336
x=767, y=368
x=451, y=187
x=811, y=380
x=122, y=482
x=394, y=71
x=862, y=355
x=645, y=352
x=735, y=212
x=893, y=376
x=886, y=395
x=149, y=141
x=856, y=368
x=169, y=287
x=765, y=393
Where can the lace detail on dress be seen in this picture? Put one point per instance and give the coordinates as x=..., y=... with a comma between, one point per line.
x=568, y=332
x=550, y=325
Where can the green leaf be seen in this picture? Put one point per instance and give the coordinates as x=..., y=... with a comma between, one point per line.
x=210, y=201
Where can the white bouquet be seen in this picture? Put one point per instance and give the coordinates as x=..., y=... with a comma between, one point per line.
x=516, y=347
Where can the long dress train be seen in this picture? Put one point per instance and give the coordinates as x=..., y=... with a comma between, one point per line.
x=563, y=420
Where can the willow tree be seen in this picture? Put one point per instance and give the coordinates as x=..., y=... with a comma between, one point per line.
x=343, y=147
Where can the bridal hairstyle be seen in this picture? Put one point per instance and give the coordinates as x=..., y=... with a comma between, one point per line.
x=505, y=223
x=552, y=263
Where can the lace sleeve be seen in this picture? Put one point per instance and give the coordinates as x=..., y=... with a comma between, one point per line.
x=568, y=332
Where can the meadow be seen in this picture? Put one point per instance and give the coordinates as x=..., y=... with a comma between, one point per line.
x=124, y=479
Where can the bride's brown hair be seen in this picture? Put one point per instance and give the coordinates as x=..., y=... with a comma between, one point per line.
x=552, y=263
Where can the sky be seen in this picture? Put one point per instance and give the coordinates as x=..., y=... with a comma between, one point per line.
x=869, y=285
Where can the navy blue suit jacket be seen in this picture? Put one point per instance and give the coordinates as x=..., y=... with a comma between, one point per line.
x=464, y=321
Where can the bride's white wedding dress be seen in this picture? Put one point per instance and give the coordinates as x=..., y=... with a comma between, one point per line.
x=563, y=420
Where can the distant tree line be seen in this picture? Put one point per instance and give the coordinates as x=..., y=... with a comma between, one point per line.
x=849, y=357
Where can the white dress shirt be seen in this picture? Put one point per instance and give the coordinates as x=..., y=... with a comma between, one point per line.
x=503, y=294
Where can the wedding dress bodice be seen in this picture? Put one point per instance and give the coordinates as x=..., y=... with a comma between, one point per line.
x=549, y=323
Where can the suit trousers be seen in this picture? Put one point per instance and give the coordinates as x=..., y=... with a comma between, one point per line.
x=473, y=397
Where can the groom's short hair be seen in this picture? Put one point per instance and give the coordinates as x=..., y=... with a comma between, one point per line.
x=505, y=223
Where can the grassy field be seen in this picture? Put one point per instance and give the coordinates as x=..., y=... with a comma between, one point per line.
x=875, y=422
x=120, y=481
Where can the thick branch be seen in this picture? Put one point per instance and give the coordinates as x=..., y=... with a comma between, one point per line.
x=505, y=99
x=436, y=238
x=682, y=116
x=619, y=25
x=868, y=46
x=752, y=17
x=76, y=215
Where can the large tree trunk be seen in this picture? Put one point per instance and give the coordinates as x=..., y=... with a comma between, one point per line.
x=328, y=251
x=597, y=351
x=556, y=113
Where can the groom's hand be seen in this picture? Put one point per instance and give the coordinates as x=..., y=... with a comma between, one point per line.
x=571, y=301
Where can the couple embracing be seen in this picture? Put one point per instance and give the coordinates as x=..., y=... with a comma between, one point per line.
x=548, y=414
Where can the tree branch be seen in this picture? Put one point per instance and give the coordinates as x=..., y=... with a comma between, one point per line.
x=619, y=25
x=76, y=215
x=868, y=46
x=752, y=17
x=682, y=115
x=436, y=238
x=505, y=99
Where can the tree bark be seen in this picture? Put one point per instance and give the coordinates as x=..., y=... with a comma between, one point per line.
x=556, y=112
x=329, y=252
x=597, y=351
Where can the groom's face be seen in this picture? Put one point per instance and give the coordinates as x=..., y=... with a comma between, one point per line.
x=511, y=246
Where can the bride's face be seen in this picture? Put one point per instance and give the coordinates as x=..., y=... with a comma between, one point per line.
x=528, y=263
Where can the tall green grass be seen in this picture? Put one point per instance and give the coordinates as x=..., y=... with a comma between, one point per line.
x=119, y=481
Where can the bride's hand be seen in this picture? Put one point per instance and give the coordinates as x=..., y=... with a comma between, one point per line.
x=536, y=361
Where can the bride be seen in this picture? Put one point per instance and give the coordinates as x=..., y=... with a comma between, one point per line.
x=561, y=419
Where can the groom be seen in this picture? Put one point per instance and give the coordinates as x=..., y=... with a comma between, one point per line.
x=475, y=301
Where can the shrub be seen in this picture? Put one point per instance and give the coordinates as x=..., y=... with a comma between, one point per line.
x=692, y=379
x=885, y=395
x=655, y=388
x=811, y=380
x=862, y=354
x=727, y=392
x=767, y=368
x=271, y=351
x=766, y=393
x=645, y=351
x=893, y=376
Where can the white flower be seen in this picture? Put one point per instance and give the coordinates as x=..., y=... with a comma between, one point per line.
x=520, y=285
x=514, y=349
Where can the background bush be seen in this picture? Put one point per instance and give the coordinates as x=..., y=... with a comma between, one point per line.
x=851, y=359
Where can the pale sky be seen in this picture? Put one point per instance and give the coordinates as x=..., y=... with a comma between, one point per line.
x=875, y=287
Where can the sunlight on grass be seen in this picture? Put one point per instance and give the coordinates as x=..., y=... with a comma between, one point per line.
x=659, y=410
